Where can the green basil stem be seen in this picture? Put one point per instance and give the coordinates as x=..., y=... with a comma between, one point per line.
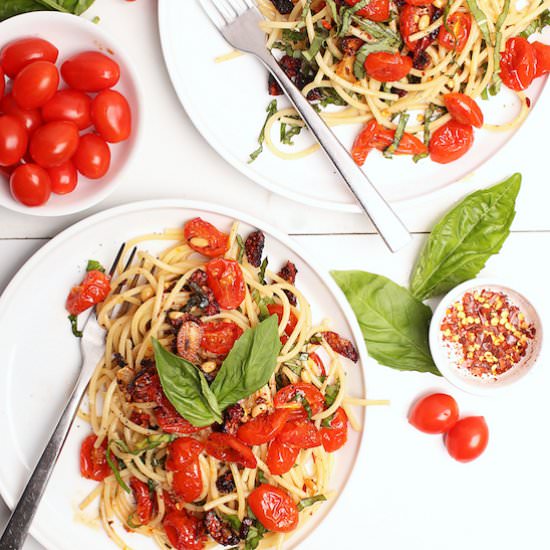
x=115, y=470
x=74, y=326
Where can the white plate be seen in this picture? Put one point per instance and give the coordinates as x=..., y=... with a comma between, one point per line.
x=40, y=357
x=227, y=103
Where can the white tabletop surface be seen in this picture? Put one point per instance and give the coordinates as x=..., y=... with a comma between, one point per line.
x=406, y=492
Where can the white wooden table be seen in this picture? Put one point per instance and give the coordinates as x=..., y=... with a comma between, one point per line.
x=406, y=492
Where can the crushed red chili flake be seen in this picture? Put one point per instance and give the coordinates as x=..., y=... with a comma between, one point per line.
x=489, y=333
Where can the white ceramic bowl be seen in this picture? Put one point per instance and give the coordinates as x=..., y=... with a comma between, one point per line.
x=71, y=35
x=442, y=352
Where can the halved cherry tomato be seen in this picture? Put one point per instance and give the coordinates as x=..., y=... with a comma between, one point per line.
x=463, y=109
x=277, y=309
x=362, y=145
x=434, y=414
x=63, y=178
x=468, y=438
x=13, y=140
x=281, y=457
x=184, y=531
x=542, y=55
x=144, y=501
x=409, y=144
x=170, y=421
x=264, y=428
x=30, y=185
x=274, y=508
x=226, y=280
x=30, y=118
x=206, y=239
x=301, y=433
x=94, y=289
x=375, y=10
x=90, y=72
x=335, y=436
x=70, y=105
x=35, y=85
x=181, y=451
x=229, y=449
x=92, y=157
x=518, y=64
x=454, y=35
x=291, y=397
x=387, y=67
x=187, y=481
x=451, y=141
x=219, y=336
x=93, y=460
x=111, y=116
x=409, y=18
x=17, y=55
x=54, y=143
x=317, y=360
x=419, y=2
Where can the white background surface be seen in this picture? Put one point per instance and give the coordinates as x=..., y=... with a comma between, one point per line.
x=406, y=493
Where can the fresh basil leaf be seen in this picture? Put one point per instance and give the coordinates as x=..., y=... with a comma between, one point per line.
x=255, y=535
x=9, y=8
x=233, y=520
x=310, y=501
x=186, y=388
x=250, y=363
x=393, y=322
x=94, y=265
x=462, y=242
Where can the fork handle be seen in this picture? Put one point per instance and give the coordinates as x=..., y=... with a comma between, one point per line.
x=390, y=227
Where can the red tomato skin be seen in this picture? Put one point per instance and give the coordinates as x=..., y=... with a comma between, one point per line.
x=144, y=501
x=111, y=116
x=94, y=288
x=468, y=438
x=409, y=17
x=181, y=451
x=336, y=436
x=70, y=105
x=228, y=448
x=187, y=482
x=450, y=142
x=281, y=457
x=2, y=83
x=277, y=309
x=419, y=2
x=436, y=413
x=30, y=185
x=93, y=462
x=302, y=434
x=184, y=531
x=409, y=144
x=92, y=157
x=264, y=428
x=274, y=508
x=461, y=24
x=54, y=143
x=13, y=140
x=63, y=178
x=31, y=118
x=362, y=145
x=375, y=10
x=20, y=53
x=35, y=85
x=169, y=420
x=217, y=242
x=518, y=64
x=219, y=336
x=542, y=55
x=90, y=72
x=226, y=280
x=463, y=109
x=288, y=395
x=387, y=67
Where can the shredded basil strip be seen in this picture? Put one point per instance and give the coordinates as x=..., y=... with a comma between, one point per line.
x=130, y=522
x=498, y=43
x=116, y=473
x=307, y=6
x=270, y=110
x=240, y=244
x=310, y=501
x=261, y=273
x=537, y=24
x=384, y=45
x=331, y=393
x=74, y=326
x=481, y=20
x=400, y=130
x=347, y=14
x=376, y=30
x=333, y=10
x=321, y=34
x=147, y=444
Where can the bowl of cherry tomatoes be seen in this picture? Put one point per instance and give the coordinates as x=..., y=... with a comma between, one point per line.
x=69, y=114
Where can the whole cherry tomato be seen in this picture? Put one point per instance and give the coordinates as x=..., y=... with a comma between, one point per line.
x=226, y=280
x=144, y=501
x=301, y=433
x=219, y=336
x=468, y=438
x=111, y=116
x=263, y=428
x=542, y=55
x=518, y=64
x=30, y=118
x=335, y=435
x=93, y=460
x=181, y=451
x=63, y=178
x=362, y=145
x=293, y=396
x=206, y=239
x=187, y=481
x=434, y=414
x=70, y=105
x=13, y=140
x=274, y=508
x=2, y=83
x=229, y=449
x=94, y=289
x=463, y=109
x=454, y=35
x=184, y=531
x=30, y=185
x=451, y=141
x=90, y=72
x=17, y=55
x=409, y=20
x=35, y=84
x=375, y=10
x=54, y=143
x=409, y=144
x=387, y=67
x=277, y=309
x=281, y=457
x=92, y=157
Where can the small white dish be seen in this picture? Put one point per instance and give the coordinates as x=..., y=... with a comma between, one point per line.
x=71, y=35
x=445, y=357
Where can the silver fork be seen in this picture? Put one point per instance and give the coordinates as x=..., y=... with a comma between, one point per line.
x=238, y=22
x=92, y=346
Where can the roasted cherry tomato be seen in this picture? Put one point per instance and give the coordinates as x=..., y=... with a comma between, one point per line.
x=468, y=438
x=375, y=10
x=17, y=55
x=63, y=178
x=181, y=451
x=362, y=145
x=409, y=144
x=92, y=157
x=70, y=105
x=451, y=141
x=144, y=502
x=518, y=64
x=94, y=289
x=169, y=420
x=30, y=118
x=204, y=238
x=277, y=309
x=434, y=414
x=187, y=481
x=30, y=185
x=13, y=140
x=335, y=435
x=227, y=448
x=542, y=55
x=54, y=143
x=219, y=336
x=281, y=457
x=90, y=72
x=292, y=397
x=301, y=433
x=387, y=67
x=111, y=116
x=274, y=508
x=226, y=280
x=409, y=18
x=35, y=85
x=184, y=531
x=263, y=428
x=454, y=35
x=93, y=460
x=463, y=109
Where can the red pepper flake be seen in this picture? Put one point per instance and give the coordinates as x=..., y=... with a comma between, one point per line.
x=528, y=102
x=326, y=24
x=489, y=333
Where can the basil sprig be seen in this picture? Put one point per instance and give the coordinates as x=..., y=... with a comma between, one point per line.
x=9, y=8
